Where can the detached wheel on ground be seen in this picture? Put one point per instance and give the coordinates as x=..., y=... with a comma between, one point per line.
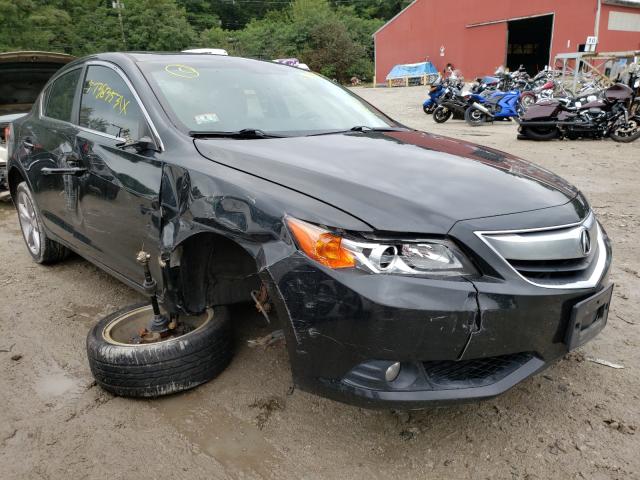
x=441, y=114
x=41, y=248
x=197, y=351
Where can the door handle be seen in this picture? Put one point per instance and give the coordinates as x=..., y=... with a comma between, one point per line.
x=75, y=171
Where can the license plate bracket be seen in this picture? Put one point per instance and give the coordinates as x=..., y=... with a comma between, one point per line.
x=588, y=318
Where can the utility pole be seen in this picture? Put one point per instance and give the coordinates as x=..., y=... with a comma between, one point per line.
x=596, y=27
x=119, y=6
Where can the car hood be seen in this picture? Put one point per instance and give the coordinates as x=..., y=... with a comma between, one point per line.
x=23, y=76
x=403, y=181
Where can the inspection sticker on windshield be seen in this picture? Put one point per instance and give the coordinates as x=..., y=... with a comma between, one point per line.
x=206, y=118
x=183, y=71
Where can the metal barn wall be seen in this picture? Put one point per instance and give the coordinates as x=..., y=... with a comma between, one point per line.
x=474, y=34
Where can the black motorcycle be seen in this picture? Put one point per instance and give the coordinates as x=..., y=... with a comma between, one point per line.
x=608, y=116
x=452, y=103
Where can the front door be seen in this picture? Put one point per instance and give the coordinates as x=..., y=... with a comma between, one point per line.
x=119, y=197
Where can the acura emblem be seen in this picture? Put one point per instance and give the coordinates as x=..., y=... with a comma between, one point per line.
x=585, y=242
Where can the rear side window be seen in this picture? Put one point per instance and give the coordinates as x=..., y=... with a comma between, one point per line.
x=108, y=106
x=61, y=95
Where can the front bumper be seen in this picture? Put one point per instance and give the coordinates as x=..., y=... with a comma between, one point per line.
x=457, y=339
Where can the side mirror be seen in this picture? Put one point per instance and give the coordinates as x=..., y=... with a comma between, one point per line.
x=143, y=144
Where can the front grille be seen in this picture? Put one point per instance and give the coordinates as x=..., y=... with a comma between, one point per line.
x=479, y=372
x=563, y=271
x=554, y=257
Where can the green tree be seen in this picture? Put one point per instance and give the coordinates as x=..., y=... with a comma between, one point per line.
x=201, y=14
x=34, y=25
x=153, y=25
x=333, y=37
x=380, y=9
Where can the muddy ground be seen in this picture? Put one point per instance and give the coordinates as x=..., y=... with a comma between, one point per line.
x=578, y=420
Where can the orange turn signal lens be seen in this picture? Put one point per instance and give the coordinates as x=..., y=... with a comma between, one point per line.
x=321, y=245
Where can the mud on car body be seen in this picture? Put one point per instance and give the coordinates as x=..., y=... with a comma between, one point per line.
x=405, y=268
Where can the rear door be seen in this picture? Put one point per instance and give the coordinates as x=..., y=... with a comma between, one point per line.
x=119, y=196
x=48, y=150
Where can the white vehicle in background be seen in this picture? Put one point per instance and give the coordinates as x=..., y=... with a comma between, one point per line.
x=210, y=51
x=292, y=62
x=23, y=75
x=5, y=122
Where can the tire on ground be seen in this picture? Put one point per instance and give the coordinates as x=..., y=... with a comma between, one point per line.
x=628, y=138
x=428, y=110
x=538, y=133
x=162, y=368
x=441, y=114
x=50, y=251
x=474, y=116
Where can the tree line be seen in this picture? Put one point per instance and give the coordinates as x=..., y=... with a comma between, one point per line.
x=332, y=36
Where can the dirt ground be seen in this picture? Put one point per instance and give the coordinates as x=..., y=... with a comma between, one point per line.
x=578, y=420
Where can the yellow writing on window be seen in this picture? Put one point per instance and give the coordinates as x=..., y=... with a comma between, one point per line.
x=102, y=91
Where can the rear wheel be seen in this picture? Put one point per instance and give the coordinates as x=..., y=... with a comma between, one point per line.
x=626, y=133
x=475, y=117
x=441, y=114
x=429, y=109
x=540, y=133
x=41, y=248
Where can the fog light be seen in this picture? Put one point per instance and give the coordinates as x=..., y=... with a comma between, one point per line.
x=392, y=372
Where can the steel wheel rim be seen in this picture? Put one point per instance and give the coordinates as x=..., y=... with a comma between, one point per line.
x=116, y=333
x=476, y=115
x=29, y=223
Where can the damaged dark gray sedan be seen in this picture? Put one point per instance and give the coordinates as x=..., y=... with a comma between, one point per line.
x=406, y=269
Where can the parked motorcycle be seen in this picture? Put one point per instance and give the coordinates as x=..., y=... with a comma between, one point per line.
x=483, y=84
x=609, y=116
x=453, y=103
x=496, y=106
x=437, y=90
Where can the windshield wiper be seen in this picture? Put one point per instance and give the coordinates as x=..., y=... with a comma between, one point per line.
x=365, y=128
x=247, y=133
x=361, y=128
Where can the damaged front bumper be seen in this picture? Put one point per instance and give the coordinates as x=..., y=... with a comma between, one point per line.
x=456, y=339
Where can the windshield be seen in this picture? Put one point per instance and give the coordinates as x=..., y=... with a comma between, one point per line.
x=226, y=94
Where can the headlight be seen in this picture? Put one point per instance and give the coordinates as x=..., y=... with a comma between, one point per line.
x=420, y=257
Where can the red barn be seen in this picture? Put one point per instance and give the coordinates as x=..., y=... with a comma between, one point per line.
x=477, y=37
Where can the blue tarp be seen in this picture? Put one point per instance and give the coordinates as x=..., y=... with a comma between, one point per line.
x=412, y=70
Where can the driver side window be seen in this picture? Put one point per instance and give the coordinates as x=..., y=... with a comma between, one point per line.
x=108, y=106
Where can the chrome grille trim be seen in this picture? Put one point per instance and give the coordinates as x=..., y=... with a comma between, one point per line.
x=597, y=257
x=556, y=244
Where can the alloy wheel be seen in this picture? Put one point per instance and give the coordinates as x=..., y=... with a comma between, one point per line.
x=29, y=223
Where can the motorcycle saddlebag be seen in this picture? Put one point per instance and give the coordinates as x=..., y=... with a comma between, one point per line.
x=542, y=109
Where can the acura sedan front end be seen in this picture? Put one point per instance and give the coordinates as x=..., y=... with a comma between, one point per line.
x=381, y=332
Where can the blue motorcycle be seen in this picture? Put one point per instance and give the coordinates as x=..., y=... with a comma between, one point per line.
x=438, y=88
x=431, y=103
x=495, y=106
